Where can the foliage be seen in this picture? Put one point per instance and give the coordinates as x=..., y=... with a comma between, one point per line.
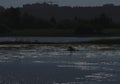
x=12, y=19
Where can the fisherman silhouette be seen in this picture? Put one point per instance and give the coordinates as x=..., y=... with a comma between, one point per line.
x=70, y=48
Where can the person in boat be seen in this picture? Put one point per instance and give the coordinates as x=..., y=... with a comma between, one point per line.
x=70, y=48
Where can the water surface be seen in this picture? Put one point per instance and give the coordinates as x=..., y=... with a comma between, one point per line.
x=54, y=64
x=52, y=39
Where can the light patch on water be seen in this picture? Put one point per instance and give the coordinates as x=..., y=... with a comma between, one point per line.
x=95, y=63
x=69, y=83
x=54, y=62
x=81, y=67
x=85, y=63
x=100, y=76
x=38, y=61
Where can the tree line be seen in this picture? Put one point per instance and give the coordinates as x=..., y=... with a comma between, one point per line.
x=12, y=19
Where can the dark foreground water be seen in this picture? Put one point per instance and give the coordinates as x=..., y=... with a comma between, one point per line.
x=53, y=64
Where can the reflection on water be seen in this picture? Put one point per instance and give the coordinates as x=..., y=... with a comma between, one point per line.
x=53, y=64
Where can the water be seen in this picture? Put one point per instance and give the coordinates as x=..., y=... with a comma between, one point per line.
x=52, y=39
x=53, y=64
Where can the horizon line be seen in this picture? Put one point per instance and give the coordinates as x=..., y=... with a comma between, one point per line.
x=107, y=4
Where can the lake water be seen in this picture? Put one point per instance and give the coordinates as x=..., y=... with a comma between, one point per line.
x=54, y=64
x=52, y=39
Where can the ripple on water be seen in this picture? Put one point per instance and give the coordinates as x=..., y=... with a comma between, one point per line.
x=89, y=65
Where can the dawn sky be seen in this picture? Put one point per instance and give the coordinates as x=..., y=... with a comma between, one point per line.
x=8, y=3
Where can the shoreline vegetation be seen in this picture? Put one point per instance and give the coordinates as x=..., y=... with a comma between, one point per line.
x=23, y=22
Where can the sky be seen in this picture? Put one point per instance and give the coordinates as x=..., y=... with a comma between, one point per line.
x=16, y=3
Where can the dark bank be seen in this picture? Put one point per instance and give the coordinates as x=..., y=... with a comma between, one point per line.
x=53, y=20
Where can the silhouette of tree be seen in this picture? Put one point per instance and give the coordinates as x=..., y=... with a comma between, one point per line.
x=67, y=24
x=11, y=17
x=27, y=21
x=14, y=19
x=53, y=20
x=101, y=22
x=85, y=29
x=4, y=29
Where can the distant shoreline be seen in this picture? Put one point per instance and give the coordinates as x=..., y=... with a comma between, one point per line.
x=106, y=42
x=59, y=40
